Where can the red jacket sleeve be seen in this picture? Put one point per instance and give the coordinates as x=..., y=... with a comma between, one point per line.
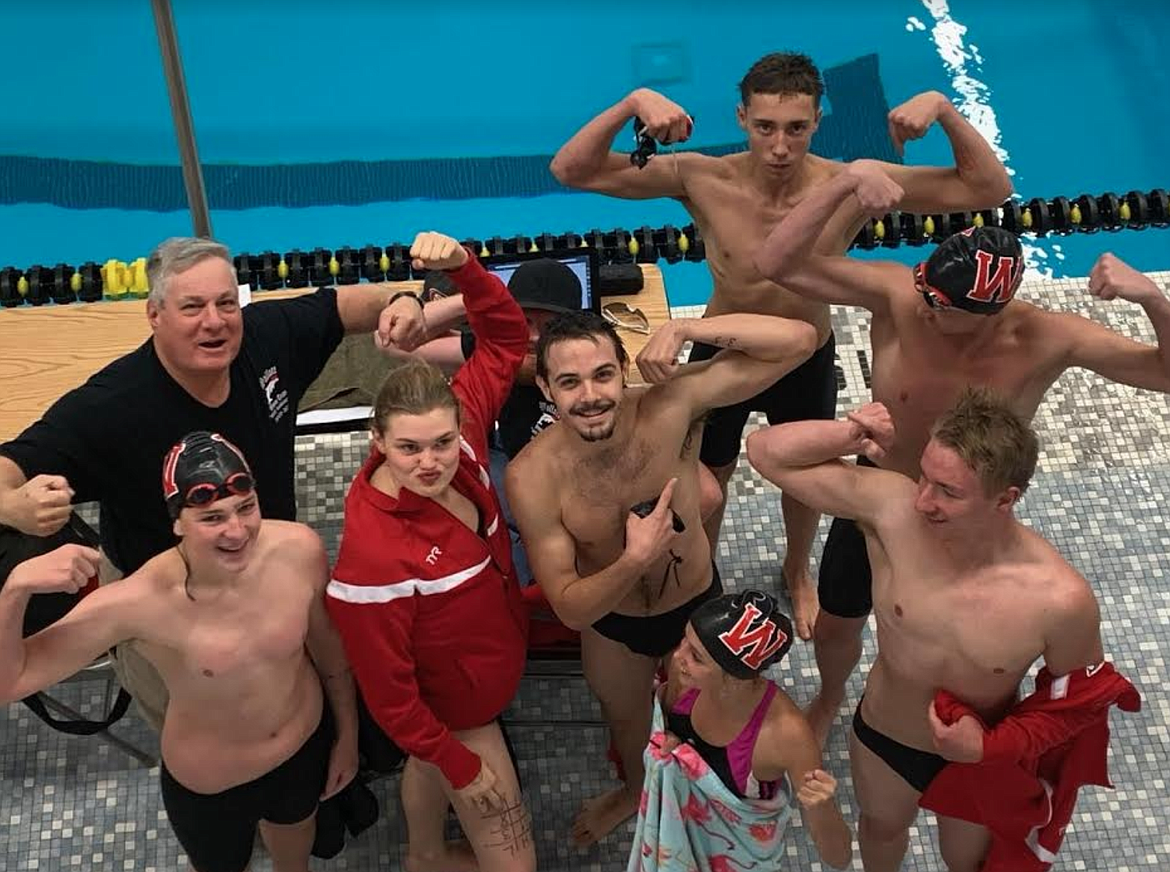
x=1054, y=713
x=377, y=642
x=483, y=383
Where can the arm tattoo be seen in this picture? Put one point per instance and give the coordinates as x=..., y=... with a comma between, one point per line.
x=689, y=440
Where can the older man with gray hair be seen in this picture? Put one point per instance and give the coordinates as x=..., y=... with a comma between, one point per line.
x=209, y=364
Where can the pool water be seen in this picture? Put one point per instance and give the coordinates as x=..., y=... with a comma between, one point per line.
x=473, y=103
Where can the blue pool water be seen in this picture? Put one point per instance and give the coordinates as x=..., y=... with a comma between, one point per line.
x=472, y=103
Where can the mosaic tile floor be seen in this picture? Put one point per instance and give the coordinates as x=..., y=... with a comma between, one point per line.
x=1105, y=476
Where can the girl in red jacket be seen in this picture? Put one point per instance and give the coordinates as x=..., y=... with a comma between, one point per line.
x=424, y=593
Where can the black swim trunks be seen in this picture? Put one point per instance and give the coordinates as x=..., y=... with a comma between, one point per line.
x=808, y=392
x=218, y=830
x=917, y=768
x=656, y=635
x=845, y=583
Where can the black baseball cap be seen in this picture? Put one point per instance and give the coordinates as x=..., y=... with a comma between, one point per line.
x=546, y=284
x=436, y=283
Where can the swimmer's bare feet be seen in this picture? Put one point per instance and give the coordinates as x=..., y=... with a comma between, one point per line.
x=456, y=856
x=805, y=605
x=820, y=715
x=600, y=815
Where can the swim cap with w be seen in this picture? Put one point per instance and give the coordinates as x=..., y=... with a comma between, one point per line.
x=201, y=468
x=978, y=269
x=744, y=632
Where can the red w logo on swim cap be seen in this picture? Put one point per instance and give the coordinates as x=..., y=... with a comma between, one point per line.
x=997, y=287
x=170, y=486
x=763, y=640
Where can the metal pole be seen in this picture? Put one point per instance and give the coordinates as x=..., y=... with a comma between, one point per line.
x=168, y=45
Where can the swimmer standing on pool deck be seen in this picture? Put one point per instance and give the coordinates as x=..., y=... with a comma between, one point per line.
x=950, y=561
x=233, y=618
x=630, y=583
x=950, y=322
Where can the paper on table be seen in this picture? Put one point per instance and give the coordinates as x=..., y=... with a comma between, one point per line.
x=330, y=416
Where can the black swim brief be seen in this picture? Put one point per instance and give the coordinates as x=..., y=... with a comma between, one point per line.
x=218, y=830
x=917, y=768
x=808, y=392
x=845, y=583
x=656, y=635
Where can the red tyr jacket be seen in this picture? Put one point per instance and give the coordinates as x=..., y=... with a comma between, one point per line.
x=1034, y=762
x=430, y=611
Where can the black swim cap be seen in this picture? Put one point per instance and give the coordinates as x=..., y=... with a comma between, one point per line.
x=201, y=468
x=977, y=269
x=744, y=632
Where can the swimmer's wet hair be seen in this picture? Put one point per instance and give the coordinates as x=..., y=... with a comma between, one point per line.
x=579, y=324
x=414, y=387
x=178, y=254
x=782, y=73
x=993, y=440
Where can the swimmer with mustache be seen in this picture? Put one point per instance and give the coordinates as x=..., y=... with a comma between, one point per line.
x=629, y=580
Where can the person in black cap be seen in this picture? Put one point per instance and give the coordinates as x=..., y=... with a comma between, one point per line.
x=949, y=323
x=544, y=288
x=747, y=732
x=261, y=722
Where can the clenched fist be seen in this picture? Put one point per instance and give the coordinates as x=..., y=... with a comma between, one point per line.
x=432, y=250
x=64, y=570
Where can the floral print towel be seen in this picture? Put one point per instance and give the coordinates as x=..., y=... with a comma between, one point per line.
x=688, y=820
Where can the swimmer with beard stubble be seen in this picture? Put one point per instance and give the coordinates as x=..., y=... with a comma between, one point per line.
x=629, y=582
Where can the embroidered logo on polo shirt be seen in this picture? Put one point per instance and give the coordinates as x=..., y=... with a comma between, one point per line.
x=276, y=396
x=433, y=556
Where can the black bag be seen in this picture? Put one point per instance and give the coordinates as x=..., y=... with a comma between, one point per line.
x=47, y=608
x=353, y=809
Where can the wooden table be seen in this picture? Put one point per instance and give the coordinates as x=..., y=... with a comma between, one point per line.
x=48, y=350
x=654, y=305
